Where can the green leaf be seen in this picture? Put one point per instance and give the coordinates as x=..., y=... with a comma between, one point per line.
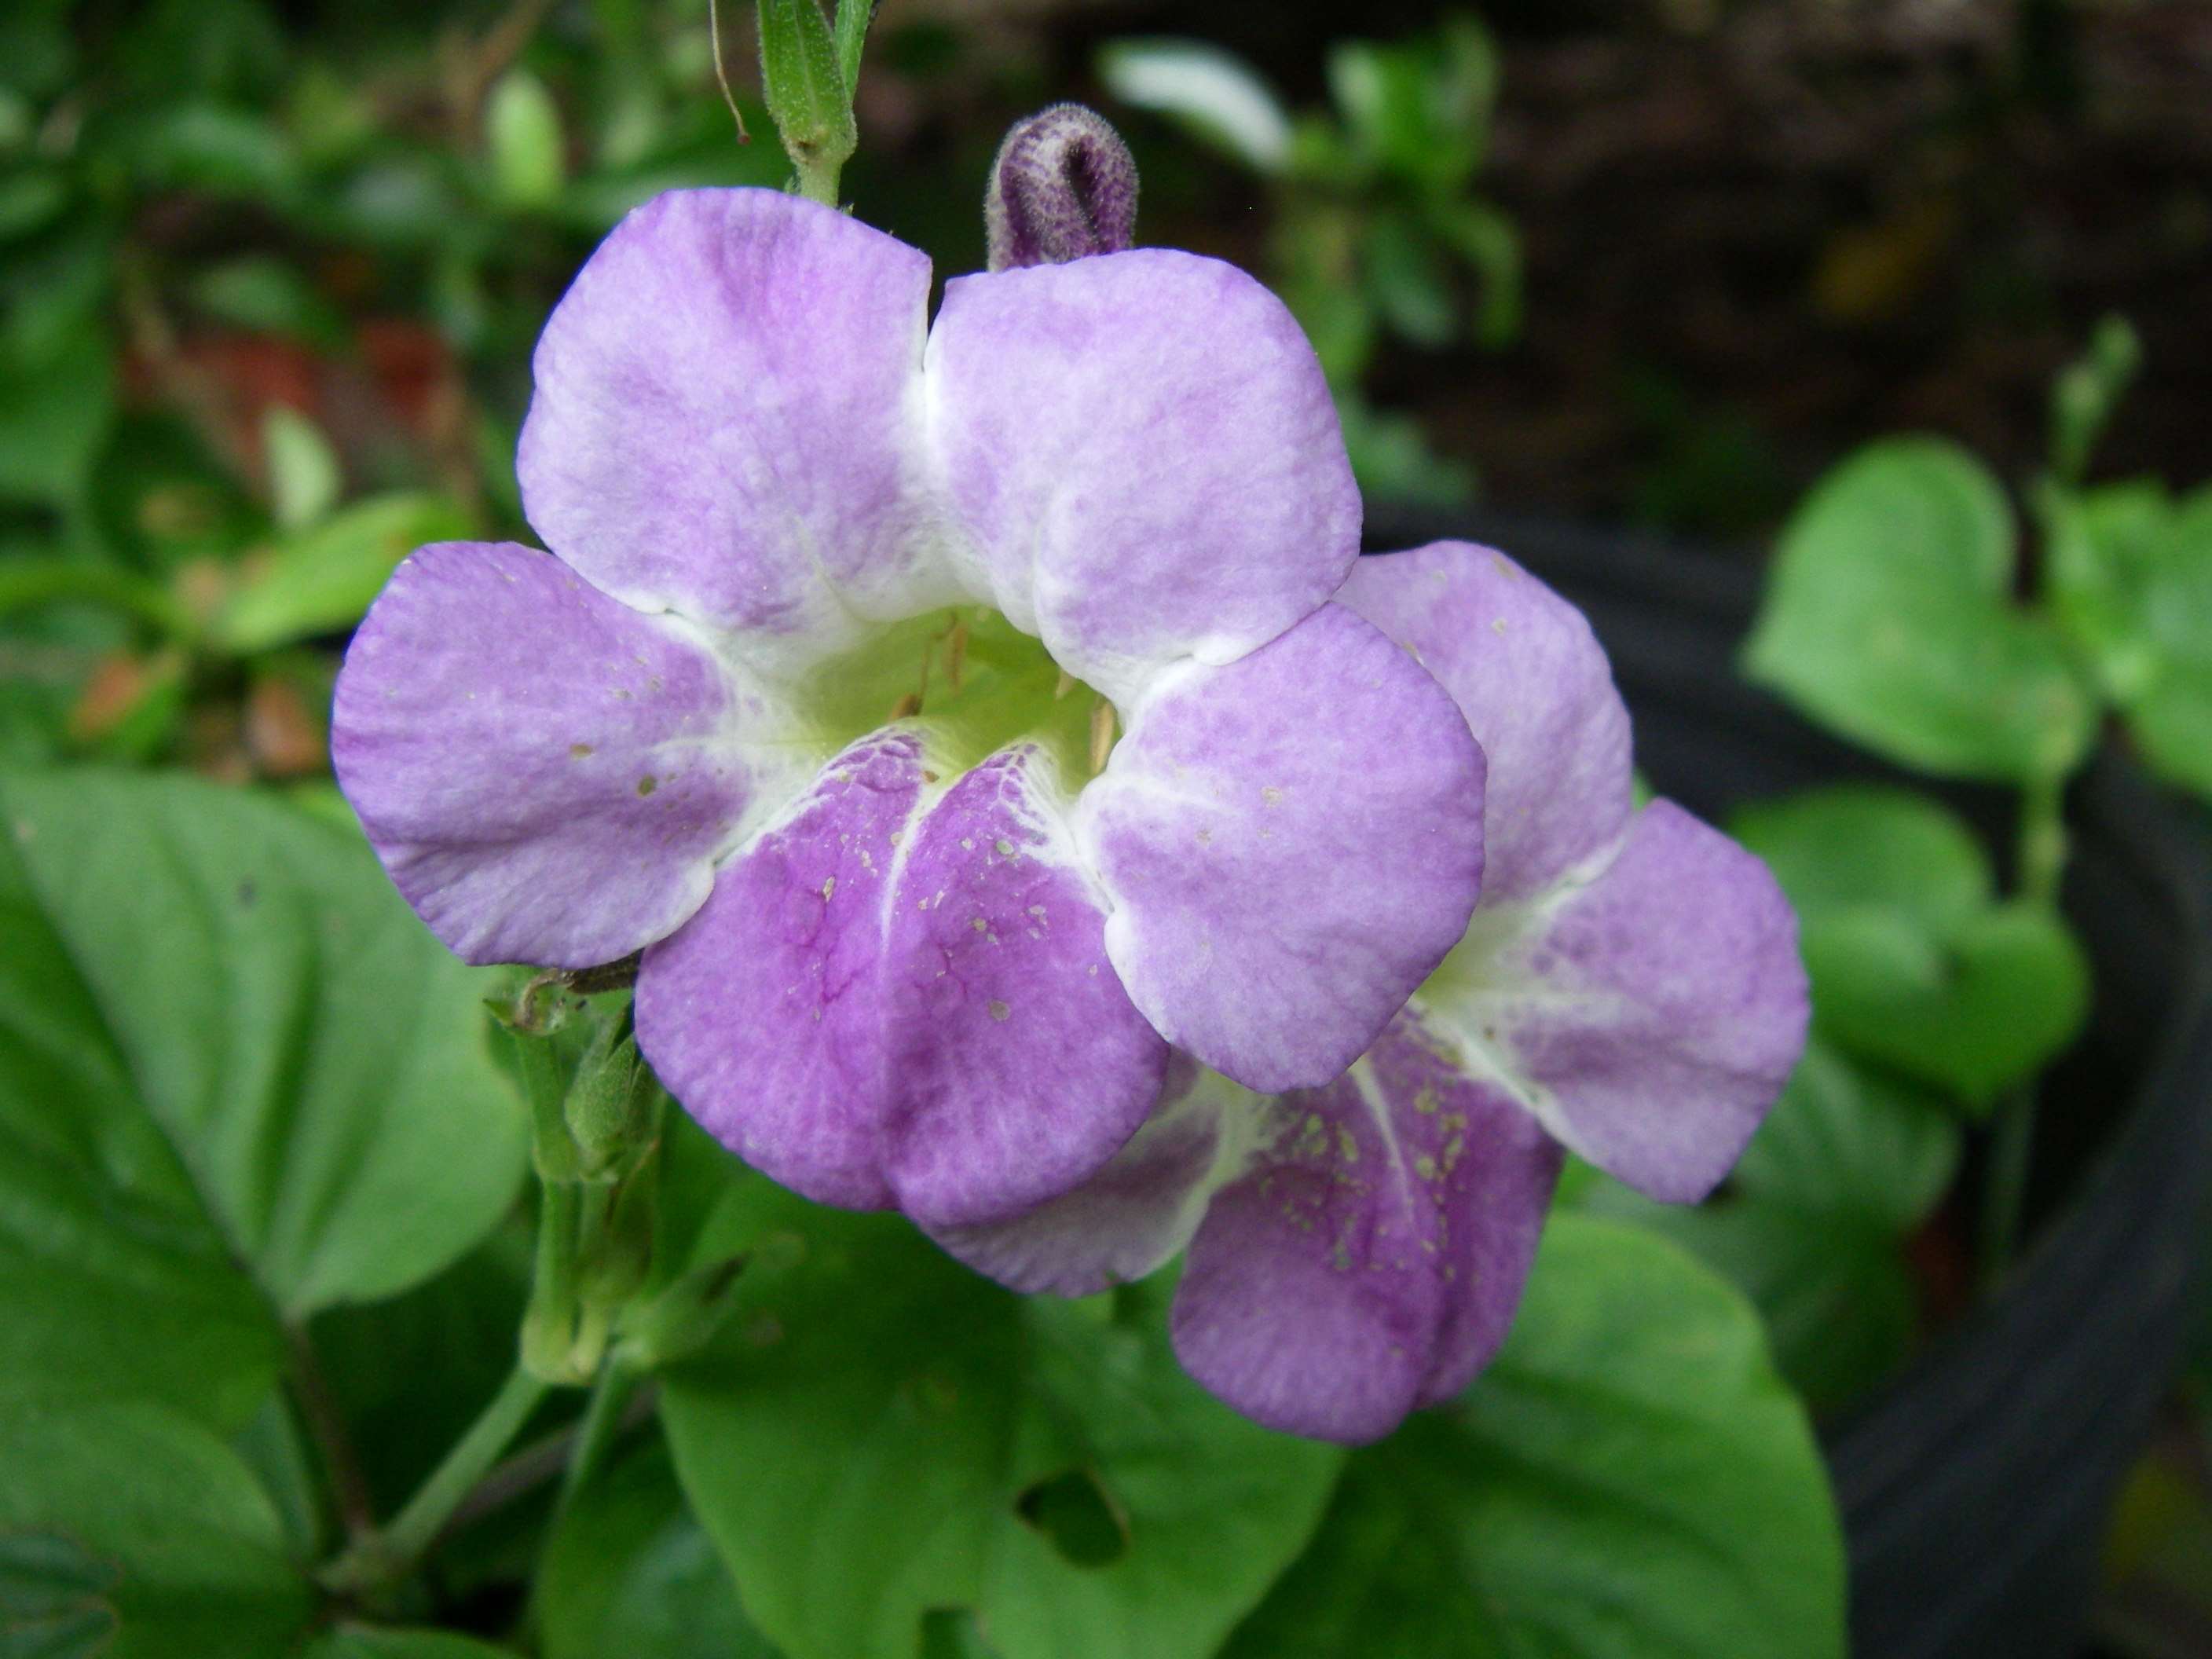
x=1216, y=96
x=854, y=17
x=371, y=1641
x=1629, y=1478
x=522, y=129
x=270, y=296
x=2132, y=579
x=1485, y=237
x=1851, y=845
x=879, y=1432
x=1972, y=1010
x=304, y=476
x=315, y=1058
x=54, y=413
x=631, y=1571
x=113, y=1280
x=1914, y=964
x=1405, y=273
x=324, y=579
x=1888, y=618
x=128, y=1530
x=1810, y=1224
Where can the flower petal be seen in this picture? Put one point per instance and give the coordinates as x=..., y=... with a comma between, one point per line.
x=764, y=1015
x=1649, y=1016
x=1536, y=690
x=1142, y=453
x=1291, y=843
x=889, y=1003
x=1137, y=1212
x=1370, y=1261
x=726, y=418
x=1018, y=1065
x=546, y=774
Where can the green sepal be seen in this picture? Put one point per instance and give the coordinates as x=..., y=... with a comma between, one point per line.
x=808, y=97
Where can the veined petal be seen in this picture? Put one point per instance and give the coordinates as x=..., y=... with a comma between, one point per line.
x=1136, y=1213
x=1648, y=1016
x=764, y=1017
x=1142, y=457
x=1370, y=1260
x=1537, y=692
x=1018, y=1065
x=891, y=1001
x=547, y=774
x=726, y=419
x=1291, y=843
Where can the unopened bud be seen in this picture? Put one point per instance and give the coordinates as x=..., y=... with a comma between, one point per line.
x=1064, y=187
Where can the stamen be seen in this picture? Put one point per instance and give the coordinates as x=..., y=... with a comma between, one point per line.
x=1102, y=735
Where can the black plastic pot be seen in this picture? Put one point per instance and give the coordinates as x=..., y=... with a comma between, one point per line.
x=1975, y=1485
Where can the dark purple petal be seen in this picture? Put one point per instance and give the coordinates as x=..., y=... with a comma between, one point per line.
x=890, y=1002
x=1143, y=458
x=547, y=774
x=1292, y=844
x=1536, y=690
x=1370, y=1260
x=1651, y=1018
x=726, y=418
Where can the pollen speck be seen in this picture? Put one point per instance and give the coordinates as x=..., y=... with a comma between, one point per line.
x=828, y=888
x=1271, y=796
x=998, y=1010
x=1005, y=849
x=646, y=785
x=980, y=925
x=1498, y=626
x=579, y=750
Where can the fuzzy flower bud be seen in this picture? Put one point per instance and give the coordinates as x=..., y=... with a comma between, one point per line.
x=1064, y=187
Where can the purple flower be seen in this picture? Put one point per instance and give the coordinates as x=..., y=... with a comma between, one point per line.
x=815, y=699
x=1629, y=989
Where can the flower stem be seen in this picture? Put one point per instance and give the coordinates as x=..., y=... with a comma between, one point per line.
x=390, y=1552
x=2041, y=862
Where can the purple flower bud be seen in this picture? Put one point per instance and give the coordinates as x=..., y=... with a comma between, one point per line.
x=1064, y=187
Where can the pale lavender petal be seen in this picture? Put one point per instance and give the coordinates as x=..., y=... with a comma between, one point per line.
x=1133, y=1214
x=1536, y=690
x=1651, y=1018
x=726, y=418
x=1291, y=843
x=1019, y=1065
x=1370, y=1261
x=547, y=774
x=889, y=1004
x=764, y=1017
x=1142, y=455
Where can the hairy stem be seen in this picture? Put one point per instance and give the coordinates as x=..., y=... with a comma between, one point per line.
x=390, y=1553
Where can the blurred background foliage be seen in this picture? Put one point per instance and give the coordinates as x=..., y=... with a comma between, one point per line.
x=270, y=273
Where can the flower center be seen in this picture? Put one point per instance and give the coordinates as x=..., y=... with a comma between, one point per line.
x=972, y=680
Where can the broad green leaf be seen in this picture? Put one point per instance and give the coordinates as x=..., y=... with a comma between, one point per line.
x=1810, y=1224
x=1629, y=1478
x=1486, y=238
x=372, y=1642
x=1849, y=845
x=522, y=129
x=1888, y=617
x=317, y=1060
x=134, y=1533
x=631, y=1571
x=54, y=412
x=878, y=1433
x=1405, y=273
x=325, y=578
x=113, y=1280
x=1850, y=1141
x=1972, y=1010
x=1914, y=964
x=1217, y=96
x=2131, y=577
x=270, y=296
